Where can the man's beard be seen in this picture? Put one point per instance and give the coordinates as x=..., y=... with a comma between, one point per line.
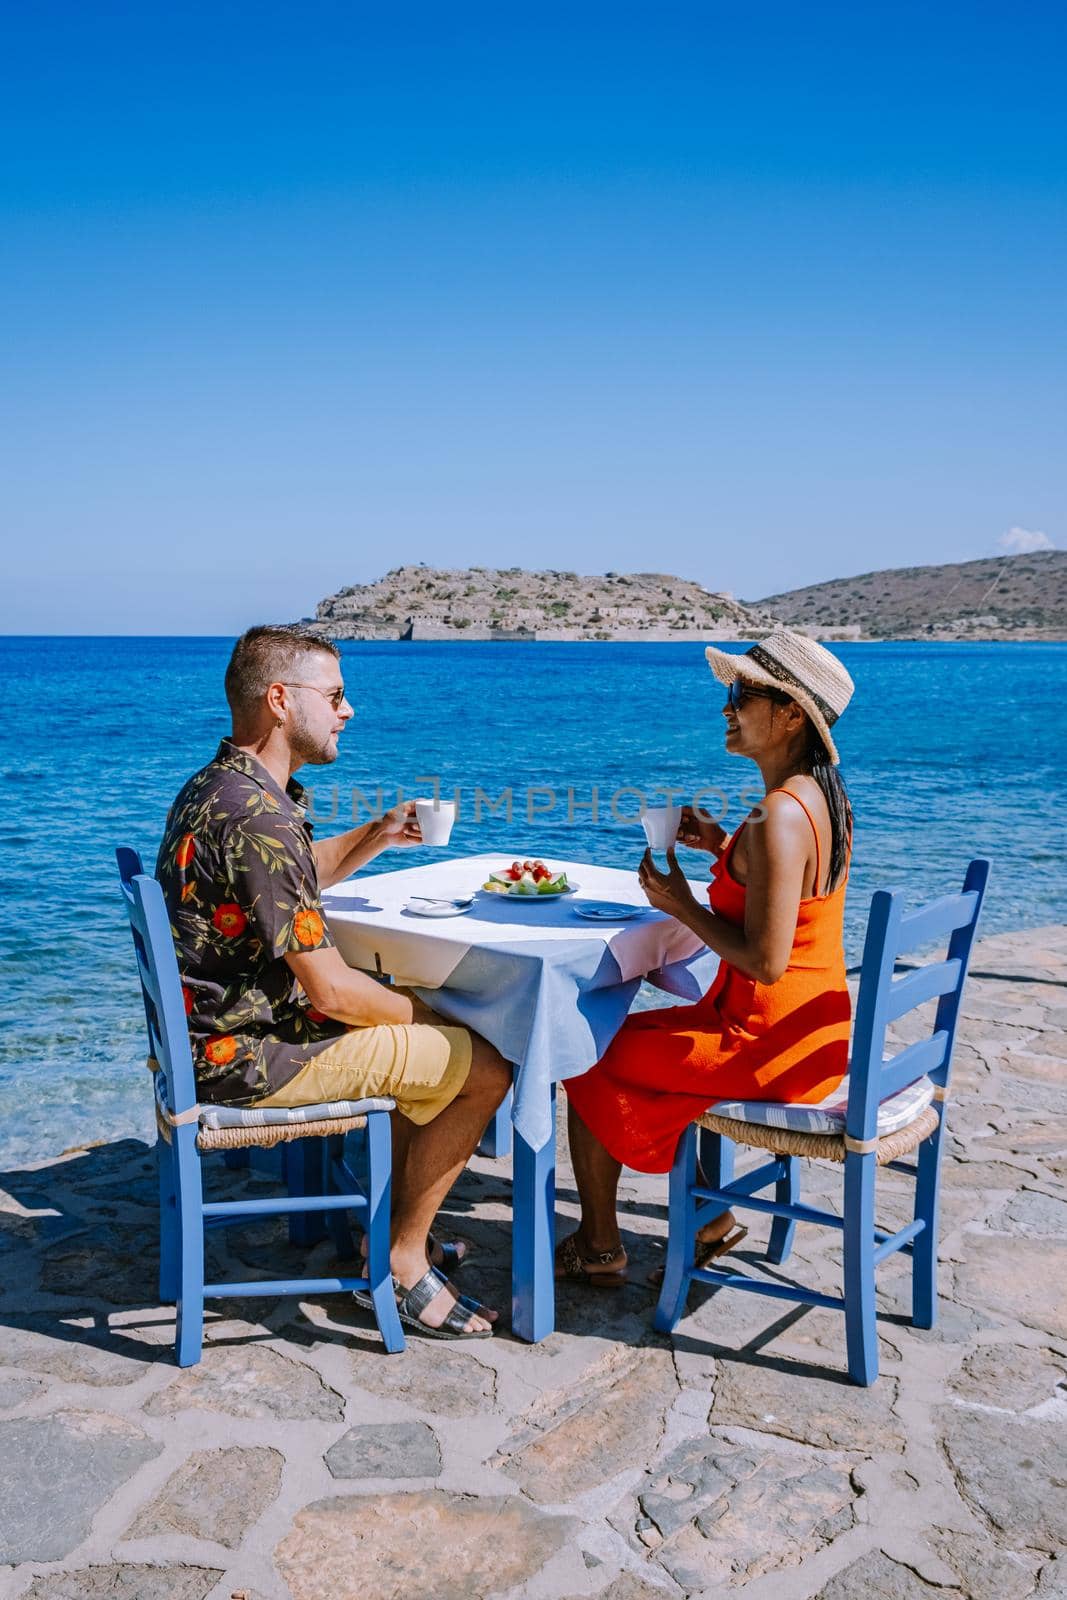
x=312, y=750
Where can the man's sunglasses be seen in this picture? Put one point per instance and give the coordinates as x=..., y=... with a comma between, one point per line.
x=336, y=697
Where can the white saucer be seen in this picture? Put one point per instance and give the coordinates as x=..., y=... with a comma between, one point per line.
x=607, y=910
x=420, y=907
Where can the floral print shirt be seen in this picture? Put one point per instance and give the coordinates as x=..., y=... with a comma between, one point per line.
x=238, y=872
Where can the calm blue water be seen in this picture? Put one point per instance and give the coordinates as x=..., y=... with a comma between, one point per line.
x=949, y=750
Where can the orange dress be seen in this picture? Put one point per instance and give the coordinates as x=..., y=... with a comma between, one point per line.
x=743, y=1041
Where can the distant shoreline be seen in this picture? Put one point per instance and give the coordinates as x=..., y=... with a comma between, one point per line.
x=458, y=638
x=700, y=638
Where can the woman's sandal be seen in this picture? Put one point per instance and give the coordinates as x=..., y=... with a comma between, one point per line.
x=574, y=1268
x=410, y=1302
x=707, y=1250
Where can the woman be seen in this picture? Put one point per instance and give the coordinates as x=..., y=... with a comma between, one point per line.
x=775, y=1023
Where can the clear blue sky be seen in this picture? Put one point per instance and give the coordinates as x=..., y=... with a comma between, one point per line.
x=756, y=294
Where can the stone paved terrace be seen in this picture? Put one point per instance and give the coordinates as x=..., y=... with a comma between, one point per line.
x=298, y=1460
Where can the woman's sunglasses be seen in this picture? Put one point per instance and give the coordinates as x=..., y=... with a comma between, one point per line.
x=739, y=692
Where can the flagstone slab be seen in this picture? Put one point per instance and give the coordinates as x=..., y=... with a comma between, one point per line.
x=118, y=1265
x=1052, y=1581
x=629, y=1586
x=56, y=1472
x=250, y=1382
x=990, y=1174
x=83, y=1356
x=16, y=1390
x=126, y=1581
x=1032, y=1212
x=1019, y=1278
x=215, y=1494
x=1047, y=1098
x=1010, y=1376
x=876, y=1575
x=431, y=1542
x=1011, y=1470
x=1037, y=1064
x=1027, y=1136
x=386, y=1450
x=610, y=1419
x=984, y=1571
x=429, y=1376
x=829, y=1412
x=728, y=1514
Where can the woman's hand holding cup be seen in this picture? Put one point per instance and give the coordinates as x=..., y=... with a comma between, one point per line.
x=698, y=831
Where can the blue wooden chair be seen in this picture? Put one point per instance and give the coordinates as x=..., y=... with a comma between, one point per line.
x=862, y=1146
x=321, y=1181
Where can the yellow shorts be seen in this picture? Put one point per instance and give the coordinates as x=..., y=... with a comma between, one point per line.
x=420, y=1065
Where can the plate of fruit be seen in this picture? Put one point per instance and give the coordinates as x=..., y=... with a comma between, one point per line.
x=528, y=880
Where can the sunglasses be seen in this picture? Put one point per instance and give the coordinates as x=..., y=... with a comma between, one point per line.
x=336, y=697
x=739, y=692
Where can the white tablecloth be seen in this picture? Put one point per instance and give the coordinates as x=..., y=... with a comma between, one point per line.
x=545, y=986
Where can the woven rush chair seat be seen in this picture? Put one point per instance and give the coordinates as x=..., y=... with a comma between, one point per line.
x=822, y=1146
x=266, y=1136
x=255, y=1127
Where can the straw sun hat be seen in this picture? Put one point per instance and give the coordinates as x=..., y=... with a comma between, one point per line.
x=800, y=668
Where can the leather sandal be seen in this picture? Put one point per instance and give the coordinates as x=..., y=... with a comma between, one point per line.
x=574, y=1268
x=410, y=1302
x=488, y=1312
x=707, y=1250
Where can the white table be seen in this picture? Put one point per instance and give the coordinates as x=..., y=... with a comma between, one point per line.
x=546, y=987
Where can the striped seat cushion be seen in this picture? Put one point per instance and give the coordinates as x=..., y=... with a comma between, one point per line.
x=828, y=1116
x=276, y=1116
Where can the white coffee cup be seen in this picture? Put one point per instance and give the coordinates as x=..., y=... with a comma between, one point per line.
x=661, y=825
x=435, y=819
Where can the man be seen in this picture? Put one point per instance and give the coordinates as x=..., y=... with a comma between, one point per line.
x=275, y=1015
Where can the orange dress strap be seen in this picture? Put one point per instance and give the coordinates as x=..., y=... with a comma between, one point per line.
x=815, y=831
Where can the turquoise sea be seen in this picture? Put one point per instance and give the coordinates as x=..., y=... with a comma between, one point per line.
x=948, y=750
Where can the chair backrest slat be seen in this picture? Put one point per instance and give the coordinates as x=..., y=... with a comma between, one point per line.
x=934, y=922
x=914, y=1062
x=916, y=988
x=884, y=998
x=161, y=989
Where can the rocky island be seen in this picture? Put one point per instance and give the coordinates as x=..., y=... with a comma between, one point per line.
x=1003, y=597
x=419, y=602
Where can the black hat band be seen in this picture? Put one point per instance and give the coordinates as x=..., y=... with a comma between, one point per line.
x=769, y=663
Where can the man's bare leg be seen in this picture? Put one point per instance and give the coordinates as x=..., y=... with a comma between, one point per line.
x=402, y=1131
x=436, y=1154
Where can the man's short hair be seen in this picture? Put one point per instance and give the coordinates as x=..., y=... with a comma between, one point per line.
x=269, y=653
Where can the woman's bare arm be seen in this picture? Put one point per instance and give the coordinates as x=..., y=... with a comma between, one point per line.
x=777, y=853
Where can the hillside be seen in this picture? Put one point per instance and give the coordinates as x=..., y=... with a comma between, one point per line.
x=419, y=602
x=1004, y=597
